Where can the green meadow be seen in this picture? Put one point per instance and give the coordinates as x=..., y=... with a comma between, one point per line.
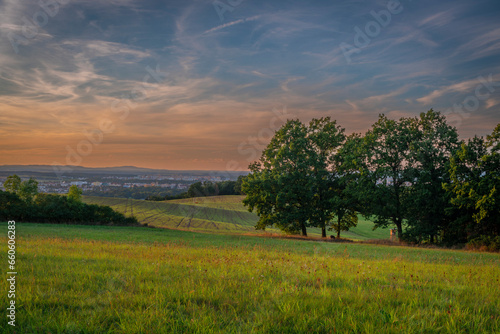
x=221, y=214
x=102, y=279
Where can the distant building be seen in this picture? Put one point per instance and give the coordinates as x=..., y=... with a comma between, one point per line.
x=78, y=183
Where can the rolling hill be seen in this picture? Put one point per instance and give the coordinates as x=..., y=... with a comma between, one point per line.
x=217, y=213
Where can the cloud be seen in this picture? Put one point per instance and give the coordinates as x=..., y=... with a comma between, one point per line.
x=229, y=24
x=465, y=86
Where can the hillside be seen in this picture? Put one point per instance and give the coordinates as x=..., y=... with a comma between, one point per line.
x=217, y=213
x=102, y=279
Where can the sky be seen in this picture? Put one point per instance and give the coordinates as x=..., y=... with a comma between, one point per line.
x=204, y=84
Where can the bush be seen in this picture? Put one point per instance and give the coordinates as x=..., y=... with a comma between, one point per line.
x=49, y=208
x=485, y=243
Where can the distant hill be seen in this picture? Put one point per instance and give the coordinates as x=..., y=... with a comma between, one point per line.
x=113, y=170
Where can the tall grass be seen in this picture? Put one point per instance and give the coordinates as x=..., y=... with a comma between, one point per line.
x=74, y=279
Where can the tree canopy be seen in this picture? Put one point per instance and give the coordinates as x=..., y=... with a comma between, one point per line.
x=413, y=173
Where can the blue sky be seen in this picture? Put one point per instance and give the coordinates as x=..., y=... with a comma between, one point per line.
x=220, y=75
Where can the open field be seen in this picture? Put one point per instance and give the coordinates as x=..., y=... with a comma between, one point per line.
x=217, y=213
x=98, y=279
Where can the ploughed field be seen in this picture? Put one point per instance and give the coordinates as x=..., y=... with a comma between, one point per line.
x=210, y=214
x=103, y=279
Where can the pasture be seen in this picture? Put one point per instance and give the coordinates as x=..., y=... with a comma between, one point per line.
x=100, y=279
x=221, y=214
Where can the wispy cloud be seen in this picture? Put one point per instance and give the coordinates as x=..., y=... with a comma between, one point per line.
x=224, y=79
x=229, y=24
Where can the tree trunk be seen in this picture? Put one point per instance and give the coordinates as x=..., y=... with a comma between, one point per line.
x=338, y=230
x=323, y=232
x=304, y=230
x=400, y=230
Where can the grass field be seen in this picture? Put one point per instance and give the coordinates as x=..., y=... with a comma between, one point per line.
x=97, y=279
x=218, y=213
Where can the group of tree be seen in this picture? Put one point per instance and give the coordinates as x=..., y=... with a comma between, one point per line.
x=206, y=189
x=22, y=202
x=413, y=174
x=134, y=192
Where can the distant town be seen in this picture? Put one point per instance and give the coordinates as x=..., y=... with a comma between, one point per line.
x=116, y=182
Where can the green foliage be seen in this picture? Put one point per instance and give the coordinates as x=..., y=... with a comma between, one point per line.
x=290, y=186
x=12, y=206
x=75, y=193
x=330, y=198
x=345, y=219
x=485, y=242
x=475, y=180
x=435, y=144
x=280, y=186
x=237, y=185
x=49, y=208
x=25, y=189
x=398, y=168
x=28, y=189
x=12, y=183
x=209, y=188
x=150, y=193
x=383, y=166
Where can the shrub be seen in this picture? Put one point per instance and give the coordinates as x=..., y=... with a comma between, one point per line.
x=485, y=243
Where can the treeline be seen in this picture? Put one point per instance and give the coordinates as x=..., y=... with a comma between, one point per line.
x=135, y=192
x=204, y=189
x=26, y=204
x=413, y=174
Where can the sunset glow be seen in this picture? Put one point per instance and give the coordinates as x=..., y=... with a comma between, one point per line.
x=203, y=84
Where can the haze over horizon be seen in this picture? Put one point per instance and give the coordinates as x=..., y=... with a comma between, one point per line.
x=188, y=84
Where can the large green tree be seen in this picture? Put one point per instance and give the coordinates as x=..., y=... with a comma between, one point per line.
x=384, y=164
x=347, y=186
x=280, y=187
x=326, y=139
x=475, y=185
x=433, y=146
x=292, y=185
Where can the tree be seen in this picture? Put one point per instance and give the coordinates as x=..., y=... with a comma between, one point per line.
x=326, y=138
x=475, y=184
x=12, y=207
x=280, y=187
x=195, y=190
x=434, y=145
x=237, y=185
x=345, y=219
x=348, y=185
x=291, y=185
x=75, y=193
x=385, y=166
x=12, y=184
x=28, y=189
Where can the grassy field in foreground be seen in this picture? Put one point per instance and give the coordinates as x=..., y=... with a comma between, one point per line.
x=225, y=214
x=96, y=279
